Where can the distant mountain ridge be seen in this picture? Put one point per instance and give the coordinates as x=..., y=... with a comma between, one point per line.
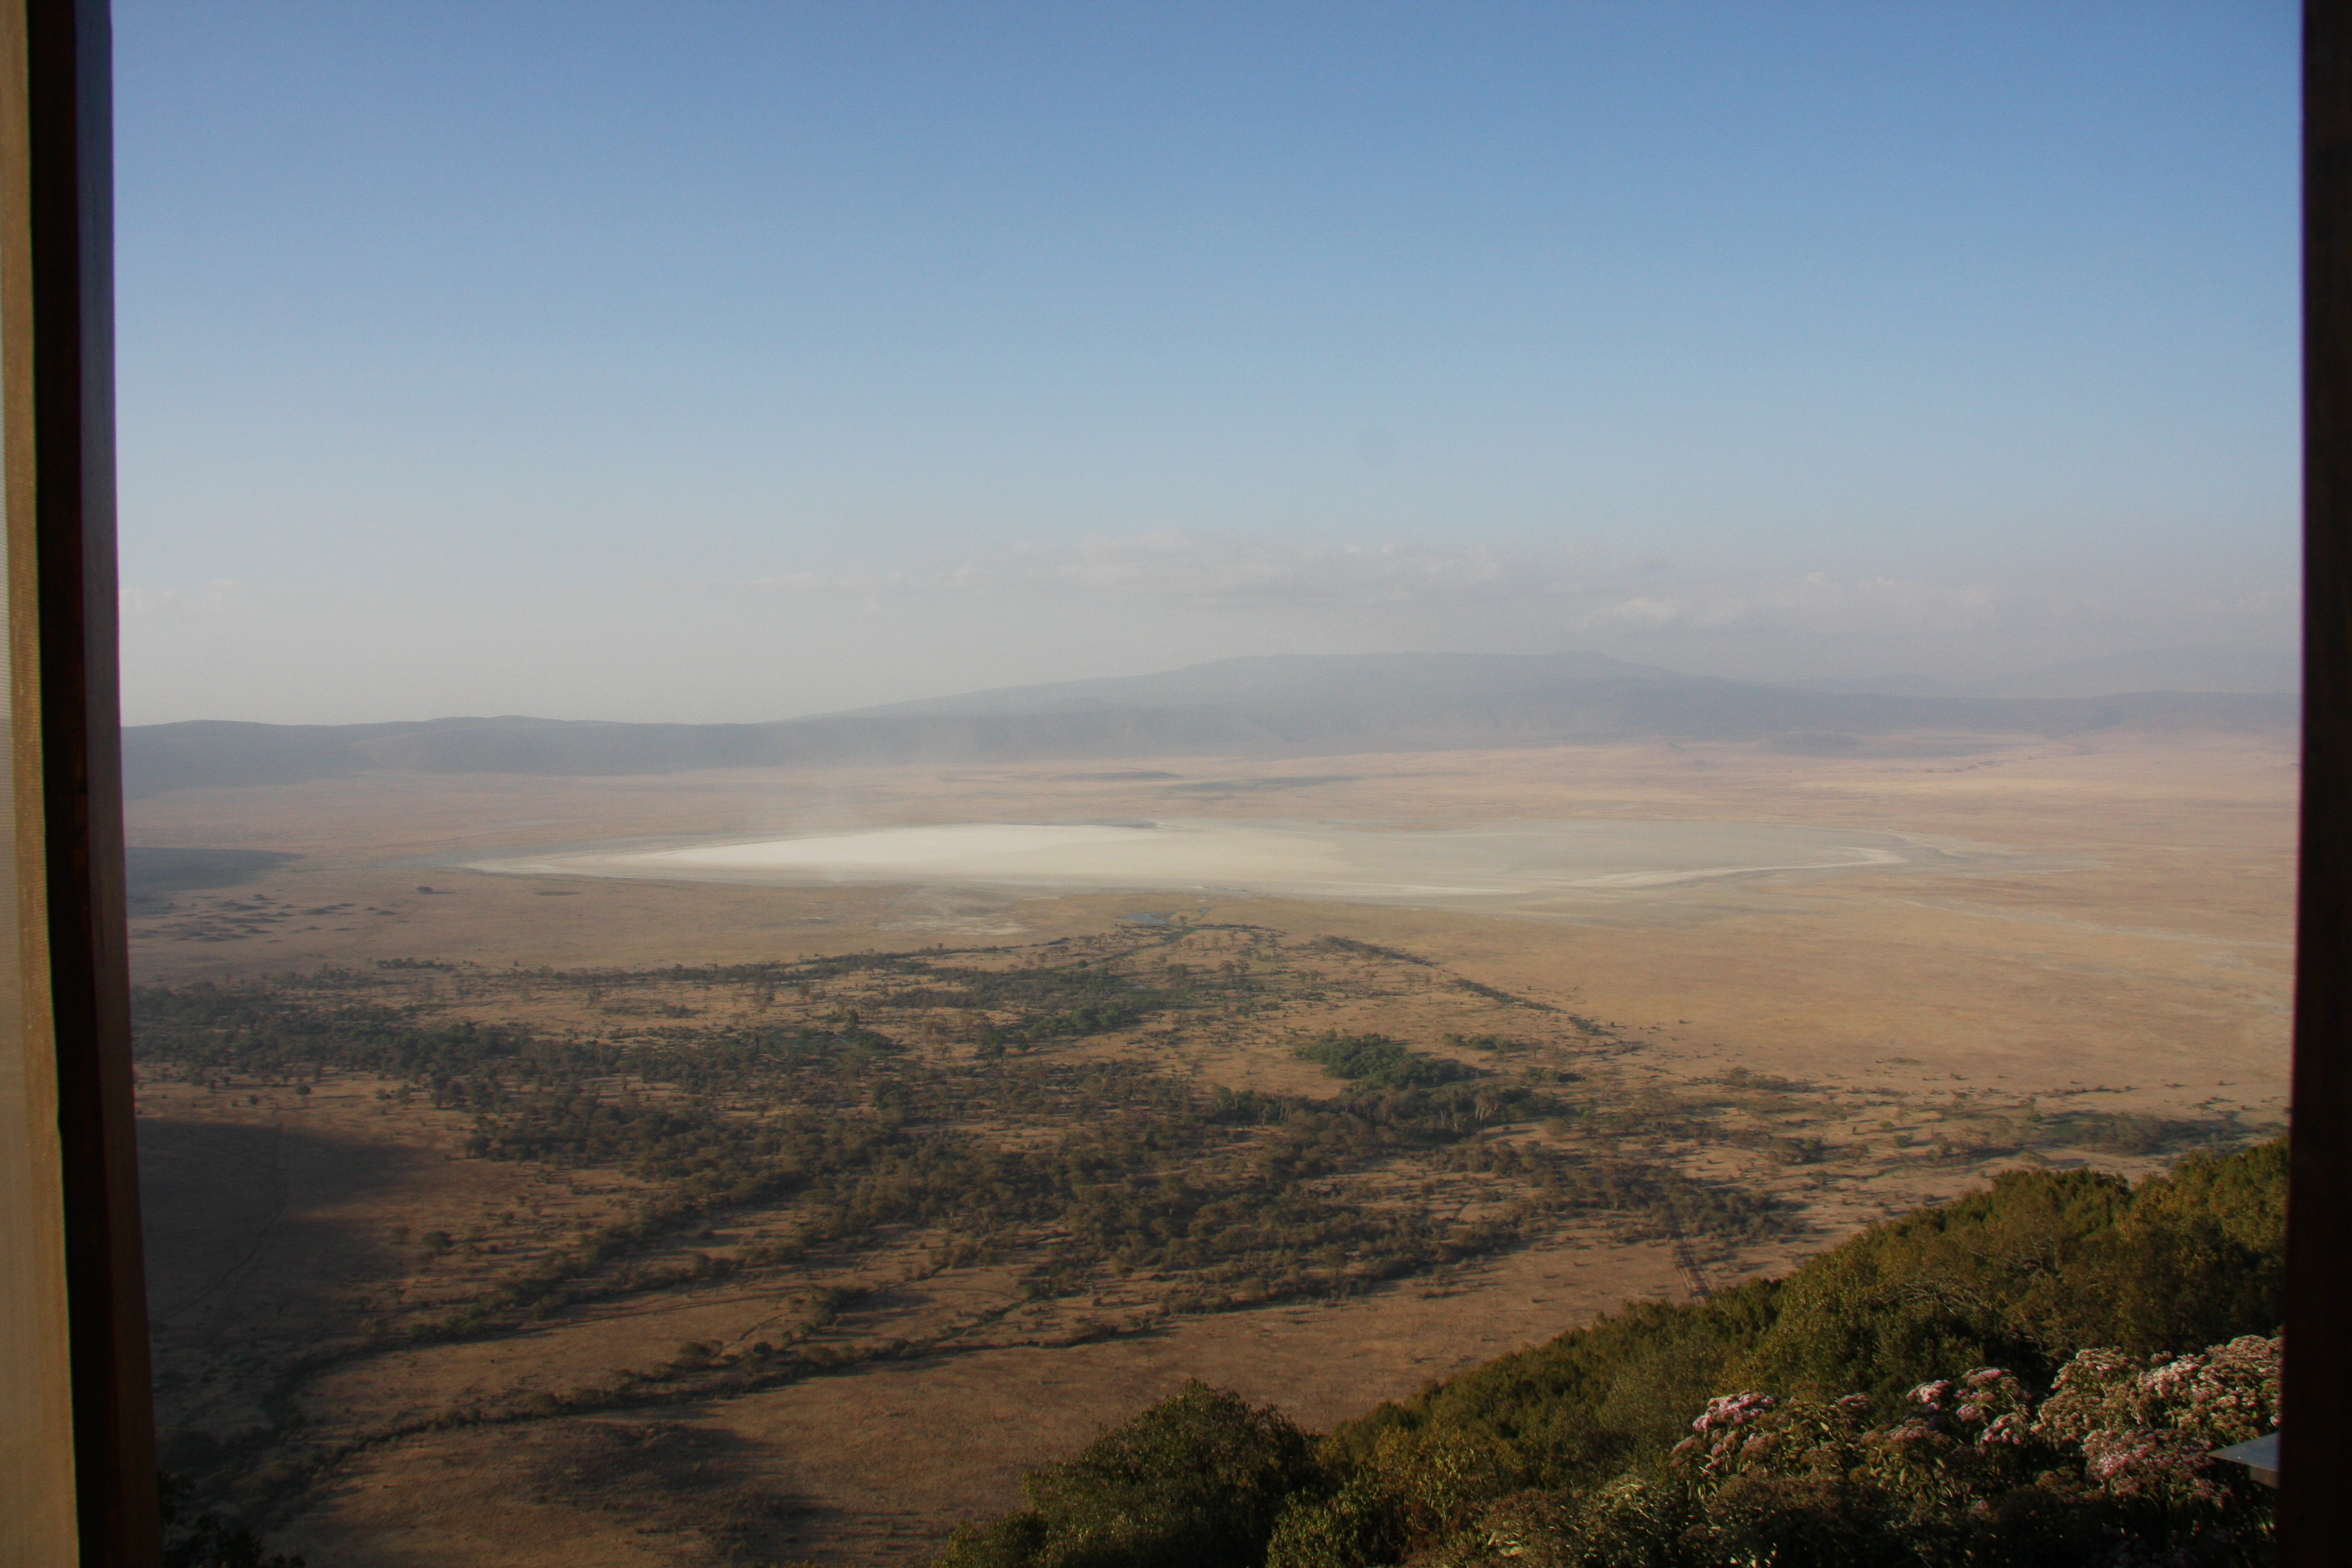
x=1279, y=705
x=2206, y=670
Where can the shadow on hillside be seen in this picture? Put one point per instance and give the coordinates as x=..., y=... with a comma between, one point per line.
x=228, y=1203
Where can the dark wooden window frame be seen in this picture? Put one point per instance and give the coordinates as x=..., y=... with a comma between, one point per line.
x=56, y=365
x=2316, y=1462
x=56, y=375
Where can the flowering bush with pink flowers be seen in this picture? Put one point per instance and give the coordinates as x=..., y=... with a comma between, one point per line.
x=2112, y=1469
x=1603, y=1448
x=2145, y=1429
x=1954, y=1442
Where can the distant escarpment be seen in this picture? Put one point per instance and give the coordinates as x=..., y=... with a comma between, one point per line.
x=1292, y=705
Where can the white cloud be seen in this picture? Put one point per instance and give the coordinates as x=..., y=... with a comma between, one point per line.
x=1400, y=593
x=221, y=596
x=1815, y=600
x=830, y=584
x=1218, y=570
x=1582, y=588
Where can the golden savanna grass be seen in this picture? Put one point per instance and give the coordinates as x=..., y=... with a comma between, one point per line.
x=2118, y=958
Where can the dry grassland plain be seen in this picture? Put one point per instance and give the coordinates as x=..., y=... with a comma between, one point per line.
x=2092, y=967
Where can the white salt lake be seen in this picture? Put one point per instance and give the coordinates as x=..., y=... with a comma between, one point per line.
x=1525, y=866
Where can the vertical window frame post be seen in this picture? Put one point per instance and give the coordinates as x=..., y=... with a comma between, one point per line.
x=2316, y=1460
x=79, y=1308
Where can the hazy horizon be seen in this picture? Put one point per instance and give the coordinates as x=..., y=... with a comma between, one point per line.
x=739, y=364
x=2192, y=671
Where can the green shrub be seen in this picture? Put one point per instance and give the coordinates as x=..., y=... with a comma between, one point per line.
x=2037, y=1267
x=1376, y=1061
x=1195, y=1481
x=2073, y=1440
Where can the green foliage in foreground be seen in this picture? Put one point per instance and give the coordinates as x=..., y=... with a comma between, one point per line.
x=2110, y=1467
x=2023, y=1274
x=1198, y=1480
x=1992, y=1381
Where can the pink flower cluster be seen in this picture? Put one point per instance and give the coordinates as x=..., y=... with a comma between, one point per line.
x=1932, y=1394
x=2139, y=1430
x=2148, y=1429
x=2145, y=1463
x=1733, y=1410
x=2009, y=1427
x=1987, y=1397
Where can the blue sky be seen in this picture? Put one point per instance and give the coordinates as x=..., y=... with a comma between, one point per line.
x=731, y=361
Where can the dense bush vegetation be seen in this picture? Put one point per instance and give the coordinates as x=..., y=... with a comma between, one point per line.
x=1376, y=1061
x=2011, y=1378
x=1228, y=1196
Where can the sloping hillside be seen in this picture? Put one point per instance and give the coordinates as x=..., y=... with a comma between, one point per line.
x=2035, y=1373
x=1295, y=705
